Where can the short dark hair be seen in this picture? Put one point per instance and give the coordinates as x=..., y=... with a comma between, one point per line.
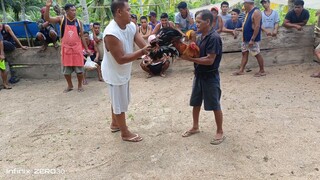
x=86, y=32
x=164, y=15
x=133, y=16
x=205, y=15
x=182, y=5
x=68, y=6
x=236, y=11
x=298, y=2
x=224, y=3
x=143, y=17
x=117, y=4
x=96, y=24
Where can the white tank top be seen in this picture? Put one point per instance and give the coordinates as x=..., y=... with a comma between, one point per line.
x=112, y=72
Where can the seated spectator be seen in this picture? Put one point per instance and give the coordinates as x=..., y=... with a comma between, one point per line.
x=153, y=19
x=184, y=21
x=317, y=50
x=94, y=55
x=270, y=19
x=225, y=16
x=3, y=66
x=233, y=25
x=9, y=38
x=145, y=29
x=9, y=44
x=164, y=22
x=217, y=22
x=157, y=67
x=47, y=34
x=298, y=17
x=97, y=36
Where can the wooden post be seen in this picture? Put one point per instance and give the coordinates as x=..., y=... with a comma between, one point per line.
x=25, y=30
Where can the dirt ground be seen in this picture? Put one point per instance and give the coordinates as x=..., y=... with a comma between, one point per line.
x=271, y=123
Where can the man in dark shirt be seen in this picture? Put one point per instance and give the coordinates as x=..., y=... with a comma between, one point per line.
x=206, y=83
x=297, y=17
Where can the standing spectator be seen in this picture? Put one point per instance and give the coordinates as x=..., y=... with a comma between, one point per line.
x=233, y=25
x=72, y=40
x=270, y=19
x=206, y=83
x=251, y=38
x=217, y=23
x=119, y=37
x=145, y=29
x=3, y=66
x=153, y=19
x=298, y=17
x=224, y=12
x=47, y=34
x=184, y=21
x=242, y=14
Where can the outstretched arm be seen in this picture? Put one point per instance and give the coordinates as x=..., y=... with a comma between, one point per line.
x=9, y=30
x=207, y=60
x=47, y=16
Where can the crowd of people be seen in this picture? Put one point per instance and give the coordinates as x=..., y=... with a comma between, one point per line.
x=125, y=40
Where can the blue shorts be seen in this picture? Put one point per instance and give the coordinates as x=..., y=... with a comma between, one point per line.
x=206, y=90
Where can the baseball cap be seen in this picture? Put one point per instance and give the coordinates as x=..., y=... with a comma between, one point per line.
x=248, y=1
x=152, y=13
x=214, y=9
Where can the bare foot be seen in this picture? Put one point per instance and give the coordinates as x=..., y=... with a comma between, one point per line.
x=162, y=74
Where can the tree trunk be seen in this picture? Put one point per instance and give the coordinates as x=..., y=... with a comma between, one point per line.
x=85, y=11
x=23, y=10
x=4, y=12
x=290, y=4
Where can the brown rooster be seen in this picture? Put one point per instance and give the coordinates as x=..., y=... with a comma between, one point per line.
x=191, y=50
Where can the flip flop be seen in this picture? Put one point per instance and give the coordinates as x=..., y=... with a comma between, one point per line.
x=67, y=90
x=113, y=130
x=80, y=90
x=135, y=138
x=9, y=87
x=259, y=74
x=217, y=141
x=237, y=73
x=190, y=133
x=315, y=75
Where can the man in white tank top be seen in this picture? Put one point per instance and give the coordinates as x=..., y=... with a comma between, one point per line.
x=119, y=37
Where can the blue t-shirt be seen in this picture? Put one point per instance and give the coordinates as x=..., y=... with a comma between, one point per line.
x=293, y=18
x=233, y=25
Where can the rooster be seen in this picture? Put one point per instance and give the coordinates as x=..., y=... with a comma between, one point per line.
x=168, y=41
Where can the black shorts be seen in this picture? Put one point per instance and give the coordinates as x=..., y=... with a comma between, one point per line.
x=157, y=68
x=206, y=90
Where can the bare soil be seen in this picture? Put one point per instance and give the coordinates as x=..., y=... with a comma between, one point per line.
x=271, y=123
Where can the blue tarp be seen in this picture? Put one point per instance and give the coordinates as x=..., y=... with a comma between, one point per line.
x=23, y=28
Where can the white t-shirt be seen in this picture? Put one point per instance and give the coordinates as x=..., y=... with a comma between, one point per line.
x=112, y=72
x=270, y=21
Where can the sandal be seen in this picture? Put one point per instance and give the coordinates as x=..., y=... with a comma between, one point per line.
x=135, y=138
x=190, y=133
